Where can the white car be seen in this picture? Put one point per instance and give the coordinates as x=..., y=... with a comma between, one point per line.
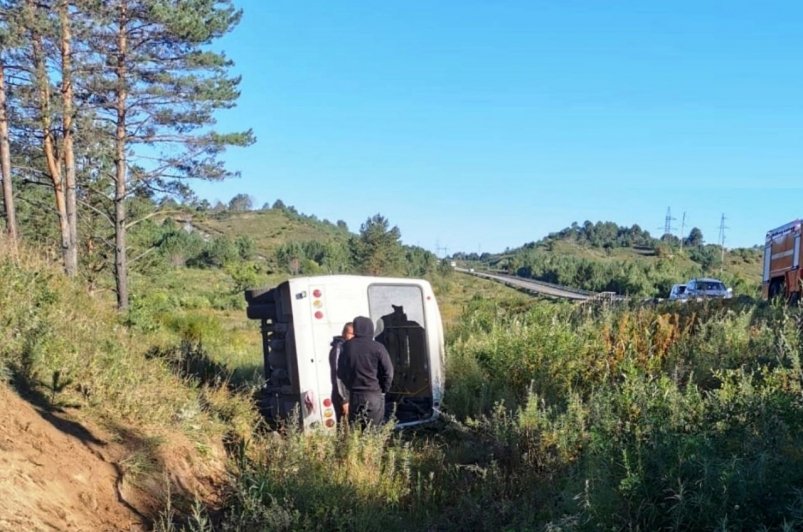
x=707, y=287
x=678, y=292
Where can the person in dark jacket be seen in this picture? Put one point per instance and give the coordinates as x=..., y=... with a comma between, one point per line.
x=366, y=370
x=339, y=391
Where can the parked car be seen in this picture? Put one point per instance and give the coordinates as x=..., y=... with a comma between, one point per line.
x=678, y=292
x=707, y=287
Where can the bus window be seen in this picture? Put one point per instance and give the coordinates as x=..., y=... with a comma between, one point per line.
x=398, y=312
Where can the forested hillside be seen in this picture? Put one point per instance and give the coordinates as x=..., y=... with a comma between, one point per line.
x=626, y=260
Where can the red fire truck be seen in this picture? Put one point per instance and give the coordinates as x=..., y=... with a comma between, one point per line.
x=781, y=274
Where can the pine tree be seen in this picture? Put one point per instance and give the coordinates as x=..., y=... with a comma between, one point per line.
x=42, y=55
x=378, y=249
x=160, y=87
x=36, y=20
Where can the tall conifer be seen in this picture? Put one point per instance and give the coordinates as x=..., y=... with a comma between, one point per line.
x=160, y=88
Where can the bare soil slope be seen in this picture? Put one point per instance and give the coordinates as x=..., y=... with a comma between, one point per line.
x=55, y=474
x=58, y=473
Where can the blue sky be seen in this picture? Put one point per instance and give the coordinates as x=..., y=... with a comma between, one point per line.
x=480, y=125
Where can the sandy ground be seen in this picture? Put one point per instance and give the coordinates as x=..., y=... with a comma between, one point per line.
x=57, y=473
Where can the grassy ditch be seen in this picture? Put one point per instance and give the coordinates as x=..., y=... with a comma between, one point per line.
x=671, y=417
x=66, y=351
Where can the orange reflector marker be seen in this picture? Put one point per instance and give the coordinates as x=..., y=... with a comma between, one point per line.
x=319, y=315
x=328, y=413
x=330, y=423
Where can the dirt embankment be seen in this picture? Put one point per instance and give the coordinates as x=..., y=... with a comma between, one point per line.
x=59, y=473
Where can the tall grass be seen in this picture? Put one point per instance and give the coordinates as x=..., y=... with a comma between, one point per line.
x=671, y=417
x=61, y=346
x=357, y=480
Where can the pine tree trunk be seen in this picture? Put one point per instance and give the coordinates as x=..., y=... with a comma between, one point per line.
x=120, y=260
x=71, y=254
x=5, y=163
x=53, y=167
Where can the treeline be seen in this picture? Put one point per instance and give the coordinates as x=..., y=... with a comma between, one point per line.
x=245, y=203
x=607, y=235
x=104, y=107
x=375, y=250
x=601, y=235
x=636, y=278
x=653, y=278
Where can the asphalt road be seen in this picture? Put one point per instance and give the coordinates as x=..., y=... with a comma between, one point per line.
x=535, y=287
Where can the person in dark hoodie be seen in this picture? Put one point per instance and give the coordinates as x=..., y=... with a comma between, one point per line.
x=339, y=391
x=365, y=369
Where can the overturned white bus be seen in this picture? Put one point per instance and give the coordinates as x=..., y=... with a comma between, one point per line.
x=299, y=319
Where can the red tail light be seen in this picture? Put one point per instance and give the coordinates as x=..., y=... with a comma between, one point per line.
x=330, y=423
x=327, y=402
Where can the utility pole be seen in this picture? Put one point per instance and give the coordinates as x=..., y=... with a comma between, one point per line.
x=722, y=228
x=682, y=228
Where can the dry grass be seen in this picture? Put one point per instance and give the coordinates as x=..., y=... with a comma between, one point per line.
x=271, y=228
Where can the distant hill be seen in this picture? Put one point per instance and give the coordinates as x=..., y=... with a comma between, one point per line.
x=270, y=228
x=277, y=240
x=626, y=260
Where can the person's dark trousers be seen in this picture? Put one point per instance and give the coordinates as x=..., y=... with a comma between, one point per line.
x=337, y=404
x=366, y=408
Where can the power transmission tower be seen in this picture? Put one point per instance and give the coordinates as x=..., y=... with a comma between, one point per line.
x=668, y=222
x=668, y=226
x=442, y=251
x=722, y=228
